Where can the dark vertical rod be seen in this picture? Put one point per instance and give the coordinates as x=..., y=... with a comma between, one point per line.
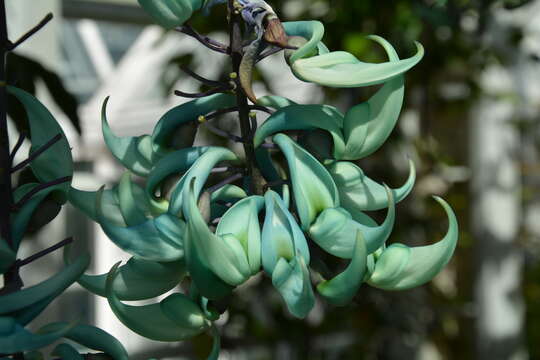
x=6, y=197
x=235, y=34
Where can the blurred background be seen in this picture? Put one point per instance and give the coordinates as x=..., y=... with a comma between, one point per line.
x=470, y=123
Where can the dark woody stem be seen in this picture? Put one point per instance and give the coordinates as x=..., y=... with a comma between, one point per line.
x=235, y=33
x=36, y=153
x=205, y=40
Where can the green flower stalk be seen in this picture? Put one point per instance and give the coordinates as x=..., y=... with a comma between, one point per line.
x=294, y=187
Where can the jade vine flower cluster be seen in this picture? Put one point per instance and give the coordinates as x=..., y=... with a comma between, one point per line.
x=178, y=227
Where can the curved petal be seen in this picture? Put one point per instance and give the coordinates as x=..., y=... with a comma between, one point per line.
x=228, y=193
x=291, y=279
x=91, y=337
x=224, y=255
x=312, y=31
x=164, y=130
x=53, y=286
x=275, y=101
x=85, y=201
x=242, y=221
x=128, y=202
x=342, y=69
x=305, y=117
x=312, y=196
x=19, y=339
x=43, y=127
x=176, y=162
x=400, y=267
x=281, y=236
x=335, y=231
x=367, y=126
x=66, y=352
x=158, y=239
x=138, y=279
x=176, y=318
x=134, y=153
x=359, y=192
x=341, y=289
x=171, y=13
x=200, y=170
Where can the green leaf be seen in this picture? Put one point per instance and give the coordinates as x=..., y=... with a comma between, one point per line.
x=291, y=279
x=335, y=230
x=7, y=256
x=242, y=222
x=305, y=117
x=92, y=337
x=171, y=13
x=43, y=127
x=176, y=318
x=399, y=267
x=313, y=187
x=52, y=286
x=156, y=239
x=341, y=289
x=367, y=126
x=281, y=236
x=357, y=192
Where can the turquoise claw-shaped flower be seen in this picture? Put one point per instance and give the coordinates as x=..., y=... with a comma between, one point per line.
x=285, y=256
x=400, y=267
x=335, y=230
x=171, y=13
x=359, y=192
x=339, y=68
x=314, y=189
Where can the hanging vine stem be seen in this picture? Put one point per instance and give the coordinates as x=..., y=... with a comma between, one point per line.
x=205, y=40
x=236, y=53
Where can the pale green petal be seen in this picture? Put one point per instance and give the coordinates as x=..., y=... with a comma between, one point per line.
x=281, y=236
x=291, y=279
x=367, y=126
x=341, y=289
x=400, y=267
x=171, y=13
x=43, y=127
x=313, y=187
x=359, y=192
x=228, y=193
x=176, y=318
x=51, y=287
x=164, y=130
x=85, y=201
x=158, y=239
x=174, y=163
x=305, y=117
x=131, y=213
x=335, y=231
x=200, y=170
x=134, y=153
x=223, y=255
x=341, y=69
x=242, y=221
x=313, y=31
x=138, y=279
x=274, y=101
